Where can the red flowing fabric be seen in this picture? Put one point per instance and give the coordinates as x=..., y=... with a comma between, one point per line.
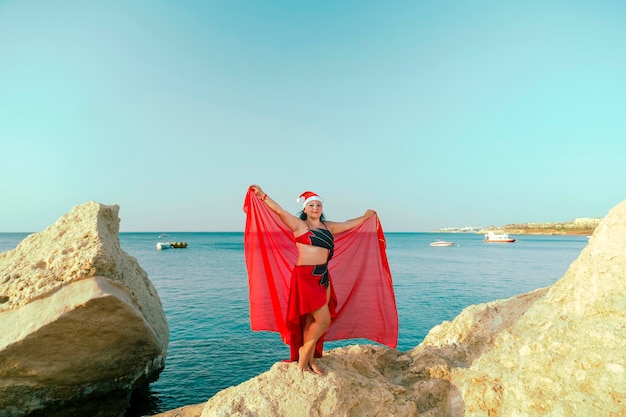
x=306, y=295
x=360, y=277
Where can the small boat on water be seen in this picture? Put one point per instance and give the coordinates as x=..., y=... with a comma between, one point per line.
x=163, y=244
x=438, y=242
x=492, y=237
x=167, y=245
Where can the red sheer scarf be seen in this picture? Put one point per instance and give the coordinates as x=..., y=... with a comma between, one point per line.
x=360, y=276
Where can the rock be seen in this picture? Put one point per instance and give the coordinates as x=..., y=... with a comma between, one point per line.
x=556, y=351
x=186, y=411
x=359, y=380
x=565, y=356
x=82, y=326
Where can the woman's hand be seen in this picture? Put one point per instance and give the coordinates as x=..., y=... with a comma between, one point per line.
x=369, y=213
x=257, y=190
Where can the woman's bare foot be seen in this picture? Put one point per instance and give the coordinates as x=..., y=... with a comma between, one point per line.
x=316, y=368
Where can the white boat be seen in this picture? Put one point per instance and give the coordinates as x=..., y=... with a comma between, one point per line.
x=492, y=237
x=438, y=242
x=163, y=245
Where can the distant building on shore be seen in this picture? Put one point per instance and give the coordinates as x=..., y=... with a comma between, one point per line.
x=464, y=229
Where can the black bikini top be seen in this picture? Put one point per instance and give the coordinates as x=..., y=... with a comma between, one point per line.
x=318, y=237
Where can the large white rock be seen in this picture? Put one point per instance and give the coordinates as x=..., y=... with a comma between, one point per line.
x=566, y=354
x=557, y=352
x=82, y=326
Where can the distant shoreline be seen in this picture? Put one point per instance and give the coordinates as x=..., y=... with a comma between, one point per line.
x=578, y=227
x=584, y=232
x=576, y=232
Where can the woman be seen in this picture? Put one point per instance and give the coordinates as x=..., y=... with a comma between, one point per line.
x=311, y=300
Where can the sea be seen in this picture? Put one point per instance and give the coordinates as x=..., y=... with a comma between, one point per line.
x=204, y=292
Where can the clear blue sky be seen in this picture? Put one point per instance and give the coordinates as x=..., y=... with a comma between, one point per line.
x=435, y=114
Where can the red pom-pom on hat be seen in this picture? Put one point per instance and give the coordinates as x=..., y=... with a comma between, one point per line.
x=308, y=196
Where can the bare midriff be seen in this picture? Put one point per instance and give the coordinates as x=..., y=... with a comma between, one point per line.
x=311, y=255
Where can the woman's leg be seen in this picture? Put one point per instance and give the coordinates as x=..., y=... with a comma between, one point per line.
x=316, y=324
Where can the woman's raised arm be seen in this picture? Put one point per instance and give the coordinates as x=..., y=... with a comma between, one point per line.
x=291, y=221
x=338, y=227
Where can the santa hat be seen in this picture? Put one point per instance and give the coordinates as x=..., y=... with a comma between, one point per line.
x=307, y=197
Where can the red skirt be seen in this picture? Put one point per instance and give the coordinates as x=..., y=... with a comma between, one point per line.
x=306, y=295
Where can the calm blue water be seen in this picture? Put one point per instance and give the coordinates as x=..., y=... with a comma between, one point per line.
x=204, y=292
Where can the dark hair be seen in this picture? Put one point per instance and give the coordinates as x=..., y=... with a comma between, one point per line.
x=302, y=216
